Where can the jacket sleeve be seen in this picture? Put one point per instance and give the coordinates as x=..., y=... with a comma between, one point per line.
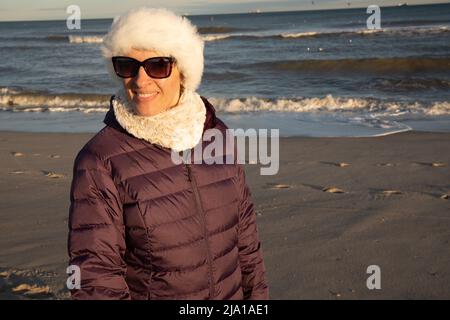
x=96, y=242
x=254, y=281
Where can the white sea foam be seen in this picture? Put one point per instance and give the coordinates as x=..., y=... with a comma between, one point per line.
x=215, y=37
x=13, y=100
x=26, y=102
x=299, y=34
x=403, y=30
x=85, y=39
x=8, y=91
x=330, y=104
x=439, y=109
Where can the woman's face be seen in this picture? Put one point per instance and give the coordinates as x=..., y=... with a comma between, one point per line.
x=152, y=96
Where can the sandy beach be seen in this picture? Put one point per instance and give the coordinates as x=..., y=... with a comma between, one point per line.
x=337, y=206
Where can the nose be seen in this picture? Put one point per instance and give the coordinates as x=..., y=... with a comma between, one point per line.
x=142, y=78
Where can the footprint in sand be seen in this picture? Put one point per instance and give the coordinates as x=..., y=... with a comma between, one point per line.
x=333, y=190
x=17, y=172
x=431, y=164
x=16, y=284
x=390, y=192
x=17, y=154
x=337, y=164
x=278, y=186
x=342, y=164
x=385, y=164
x=438, y=164
x=4, y=274
x=53, y=175
x=29, y=290
x=334, y=293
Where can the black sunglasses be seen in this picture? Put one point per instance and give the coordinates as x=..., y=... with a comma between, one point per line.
x=156, y=67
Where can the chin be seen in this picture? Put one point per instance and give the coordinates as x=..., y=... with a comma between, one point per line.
x=147, y=109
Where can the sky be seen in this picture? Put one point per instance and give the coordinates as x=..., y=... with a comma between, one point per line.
x=18, y=10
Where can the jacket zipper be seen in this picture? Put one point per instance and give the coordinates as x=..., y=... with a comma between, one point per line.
x=205, y=233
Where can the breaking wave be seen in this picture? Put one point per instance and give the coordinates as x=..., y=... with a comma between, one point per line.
x=16, y=100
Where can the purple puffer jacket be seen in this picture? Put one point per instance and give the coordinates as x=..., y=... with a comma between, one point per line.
x=142, y=227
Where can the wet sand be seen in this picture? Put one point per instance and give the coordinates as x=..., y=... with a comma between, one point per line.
x=336, y=206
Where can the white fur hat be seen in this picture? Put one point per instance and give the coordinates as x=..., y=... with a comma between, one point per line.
x=159, y=30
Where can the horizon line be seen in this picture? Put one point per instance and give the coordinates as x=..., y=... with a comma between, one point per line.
x=252, y=12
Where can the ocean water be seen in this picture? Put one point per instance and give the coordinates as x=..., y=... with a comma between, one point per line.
x=314, y=73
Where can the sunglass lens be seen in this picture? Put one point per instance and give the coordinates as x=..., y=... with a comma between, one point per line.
x=158, y=68
x=125, y=67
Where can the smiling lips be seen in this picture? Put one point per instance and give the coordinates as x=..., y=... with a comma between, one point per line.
x=145, y=95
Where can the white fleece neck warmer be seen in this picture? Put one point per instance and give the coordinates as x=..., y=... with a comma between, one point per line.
x=178, y=128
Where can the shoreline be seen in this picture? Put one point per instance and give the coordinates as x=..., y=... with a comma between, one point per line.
x=413, y=131
x=336, y=206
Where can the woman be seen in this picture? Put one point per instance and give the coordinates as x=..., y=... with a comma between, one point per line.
x=142, y=226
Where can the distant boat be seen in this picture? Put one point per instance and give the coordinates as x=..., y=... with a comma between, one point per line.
x=255, y=11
